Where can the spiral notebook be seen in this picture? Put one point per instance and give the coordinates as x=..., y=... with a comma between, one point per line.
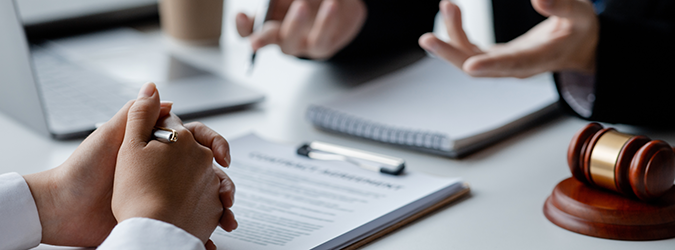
x=432, y=106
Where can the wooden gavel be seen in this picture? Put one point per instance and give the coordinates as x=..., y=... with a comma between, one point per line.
x=635, y=166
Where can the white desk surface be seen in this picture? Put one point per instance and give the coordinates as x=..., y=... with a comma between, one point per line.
x=510, y=180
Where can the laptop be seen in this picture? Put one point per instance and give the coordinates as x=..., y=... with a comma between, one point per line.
x=60, y=97
x=38, y=12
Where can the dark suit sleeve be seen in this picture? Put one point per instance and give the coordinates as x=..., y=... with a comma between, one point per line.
x=634, y=63
x=391, y=27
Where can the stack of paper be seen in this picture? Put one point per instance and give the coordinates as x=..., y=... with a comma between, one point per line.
x=286, y=201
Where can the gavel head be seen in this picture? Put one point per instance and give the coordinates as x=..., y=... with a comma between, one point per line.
x=634, y=166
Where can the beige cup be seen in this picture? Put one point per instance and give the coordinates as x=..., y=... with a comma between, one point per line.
x=196, y=22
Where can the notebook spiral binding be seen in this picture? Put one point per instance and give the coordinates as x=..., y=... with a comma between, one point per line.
x=337, y=121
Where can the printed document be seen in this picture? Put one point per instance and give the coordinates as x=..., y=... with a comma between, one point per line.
x=287, y=201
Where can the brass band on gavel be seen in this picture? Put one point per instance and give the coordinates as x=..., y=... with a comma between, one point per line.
x=604, y=158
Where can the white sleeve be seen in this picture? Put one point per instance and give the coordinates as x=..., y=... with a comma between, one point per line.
x=145, y=233
x=578, y=91
x=19, y=219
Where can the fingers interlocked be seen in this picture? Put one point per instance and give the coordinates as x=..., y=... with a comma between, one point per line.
x=178, y=182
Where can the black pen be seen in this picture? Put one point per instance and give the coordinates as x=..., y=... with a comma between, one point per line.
x=260, y=18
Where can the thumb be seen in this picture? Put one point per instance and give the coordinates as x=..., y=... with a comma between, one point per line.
x=143, y=115
x=114, y=128
x=244, y=25
x=564, y=8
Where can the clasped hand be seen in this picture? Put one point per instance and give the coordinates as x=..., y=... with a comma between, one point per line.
x=118, y=172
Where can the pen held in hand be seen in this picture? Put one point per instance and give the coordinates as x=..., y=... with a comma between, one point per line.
x=166, y=135
x=250, y=67
x=260, y=18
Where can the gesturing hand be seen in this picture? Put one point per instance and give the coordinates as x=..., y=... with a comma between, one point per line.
x=73, y=200
x=309, y=28
x=567, y=40
x=172, y=182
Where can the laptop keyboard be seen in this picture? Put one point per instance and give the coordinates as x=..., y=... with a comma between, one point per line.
x=74, y=96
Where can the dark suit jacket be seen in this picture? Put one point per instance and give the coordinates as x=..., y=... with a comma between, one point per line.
x=635, y=55
x=635, y=60
x=392, y=26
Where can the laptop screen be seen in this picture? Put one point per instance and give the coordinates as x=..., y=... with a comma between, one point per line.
x=19, y=97
x=34, y=12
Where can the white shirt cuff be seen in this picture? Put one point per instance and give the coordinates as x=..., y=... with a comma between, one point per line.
x=577, y=89
x=19, y=219
x=145, y=233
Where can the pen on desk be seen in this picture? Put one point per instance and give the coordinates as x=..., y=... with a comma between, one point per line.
x=258, y=23
x=324, y=151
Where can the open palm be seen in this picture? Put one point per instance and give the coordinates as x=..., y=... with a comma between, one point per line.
x=565, y=41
